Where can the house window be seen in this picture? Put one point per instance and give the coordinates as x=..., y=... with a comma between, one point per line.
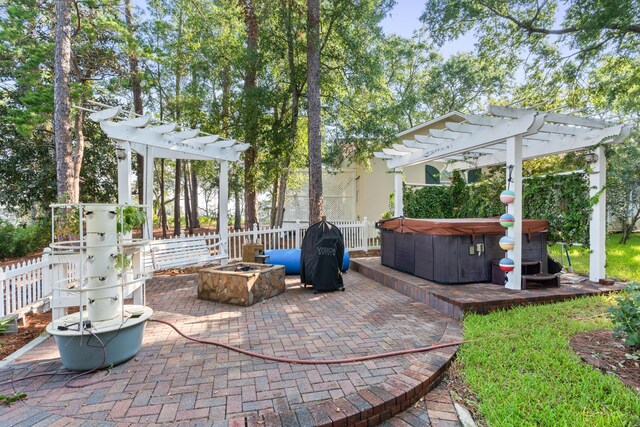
x=432, y=175
x=474, y=176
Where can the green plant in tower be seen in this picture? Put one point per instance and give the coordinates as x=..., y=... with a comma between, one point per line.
x=626, y=316
x=124, y=262
x=130, y=217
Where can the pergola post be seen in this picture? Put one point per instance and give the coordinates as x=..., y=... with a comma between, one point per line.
x=147, y=230
x=514, y=161
x=398, y=207
x=123, y=153
x=224, y=208
x=598, y=224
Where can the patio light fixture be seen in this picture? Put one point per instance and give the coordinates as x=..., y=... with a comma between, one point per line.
x=121, y=153
x=591, y=158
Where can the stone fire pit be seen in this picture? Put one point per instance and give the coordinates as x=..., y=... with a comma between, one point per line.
x=241, y=284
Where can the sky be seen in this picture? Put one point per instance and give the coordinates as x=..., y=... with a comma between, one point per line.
x=404, y=19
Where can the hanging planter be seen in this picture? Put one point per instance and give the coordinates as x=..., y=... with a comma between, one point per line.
x=507, y=220
x=507, y=197
x=507, y=243
x=507, y=265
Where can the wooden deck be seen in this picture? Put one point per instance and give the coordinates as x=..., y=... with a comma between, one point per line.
x=455, y=300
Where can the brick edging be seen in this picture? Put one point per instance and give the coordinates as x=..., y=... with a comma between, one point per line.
x=372, y=405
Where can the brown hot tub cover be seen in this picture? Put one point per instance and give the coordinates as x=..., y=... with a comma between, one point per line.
x=458, y=226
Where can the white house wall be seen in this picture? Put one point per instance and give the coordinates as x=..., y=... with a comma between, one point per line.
x=375, y=186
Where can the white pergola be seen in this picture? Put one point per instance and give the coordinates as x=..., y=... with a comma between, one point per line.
x=168, y=141
x=508, y=136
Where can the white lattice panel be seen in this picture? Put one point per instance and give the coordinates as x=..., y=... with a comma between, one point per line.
x=339, y=196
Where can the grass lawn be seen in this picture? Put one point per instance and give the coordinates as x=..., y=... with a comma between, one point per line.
x=623, y=261
x=524, y=372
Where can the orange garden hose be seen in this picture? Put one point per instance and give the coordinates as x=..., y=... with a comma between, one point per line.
x=310, y=361
x=249, y=353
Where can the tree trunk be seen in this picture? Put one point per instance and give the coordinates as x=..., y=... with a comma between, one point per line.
x=176, y=200
x=284, y=176
x=295, y=113
x=274, y=198
x=194, y=198
x=225, y=123
x=137, y=93
x=187, y=202
x=315, y=137
x=628, y=227
x=225, y=116
x=163, y=206
x=163, y=209
x=250, y=114
x=237, y=218
x=62, y=104
x=78, y=152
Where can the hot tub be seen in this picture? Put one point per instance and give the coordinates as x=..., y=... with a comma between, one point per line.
x=452, y=251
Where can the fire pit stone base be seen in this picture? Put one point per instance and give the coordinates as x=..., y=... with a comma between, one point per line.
x=241, y=284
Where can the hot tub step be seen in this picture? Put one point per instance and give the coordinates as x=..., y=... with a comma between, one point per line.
x=540, y=279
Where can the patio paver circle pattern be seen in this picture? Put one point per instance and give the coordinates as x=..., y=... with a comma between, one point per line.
x=172, y=380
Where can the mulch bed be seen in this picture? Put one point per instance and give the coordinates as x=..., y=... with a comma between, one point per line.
x=460, y=393
x=34, y=324
x=606, y=353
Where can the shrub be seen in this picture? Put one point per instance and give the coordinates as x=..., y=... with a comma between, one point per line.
x=563, y=200
x=7, y=239
x=626, y=315
x=16, y=241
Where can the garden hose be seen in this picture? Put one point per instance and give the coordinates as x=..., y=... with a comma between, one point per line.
x=310, y=361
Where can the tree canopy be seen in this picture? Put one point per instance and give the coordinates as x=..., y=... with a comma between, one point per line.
x=239, y=68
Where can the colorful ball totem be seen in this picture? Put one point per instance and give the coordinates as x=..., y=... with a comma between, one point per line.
x=507, y=265
x=507, y=220
x=507, y=243
x=507, y=197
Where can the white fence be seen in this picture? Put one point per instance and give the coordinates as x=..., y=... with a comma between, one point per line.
x=358, y=236
x=24, y=285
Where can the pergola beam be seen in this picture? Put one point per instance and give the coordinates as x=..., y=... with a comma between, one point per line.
x=463, y=127
x=169, y=127
x=404, y=148
x=565, y=119
x=428, y=139
x=614, y=134
x=522, y=126
x=170, y=146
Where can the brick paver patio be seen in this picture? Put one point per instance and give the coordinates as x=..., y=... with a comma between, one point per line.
x=174, y=381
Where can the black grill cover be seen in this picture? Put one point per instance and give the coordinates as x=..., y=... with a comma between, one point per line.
x=321, y=257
